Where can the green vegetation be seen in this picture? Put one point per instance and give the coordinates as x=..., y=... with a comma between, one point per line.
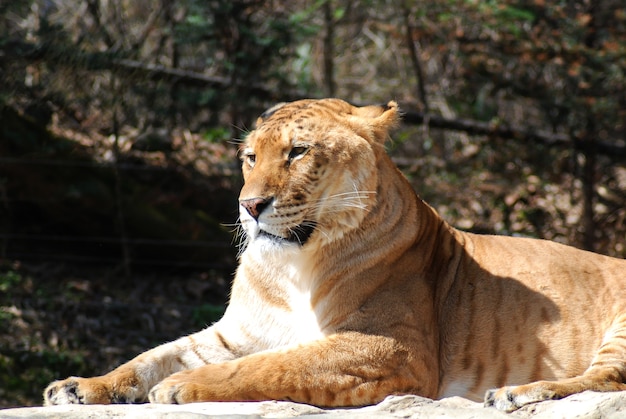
x=24, y=373
x=59, y=321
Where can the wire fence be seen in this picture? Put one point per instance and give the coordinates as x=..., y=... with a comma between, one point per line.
x=46, y=252
x=174, y=217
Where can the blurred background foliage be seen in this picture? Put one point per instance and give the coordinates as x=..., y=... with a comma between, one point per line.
x=118, y=129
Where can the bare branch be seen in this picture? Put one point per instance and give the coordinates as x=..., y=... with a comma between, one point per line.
x=132, y=68
x=93, y=6
x=148, y=28
x=502, y=130
x=329, y=49
x=414, y=54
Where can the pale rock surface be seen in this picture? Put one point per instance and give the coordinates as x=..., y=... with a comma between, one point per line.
x=587, y=405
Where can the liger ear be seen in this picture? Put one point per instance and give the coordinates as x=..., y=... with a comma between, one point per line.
x=390, y=116
x=269, y=112
x=380, y=119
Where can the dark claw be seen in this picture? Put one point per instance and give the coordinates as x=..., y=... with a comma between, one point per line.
x=511, y=398
x=172, y=394
x=51, y=392
x=72, y=389
x=490, y=398
x=120, y=399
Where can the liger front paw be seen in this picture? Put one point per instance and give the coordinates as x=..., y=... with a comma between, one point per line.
x=514, y=397
x=179, y=388
x=163, y=393
x=63, y=392
x=75, y=390
x=501, y=399
x=171, y=392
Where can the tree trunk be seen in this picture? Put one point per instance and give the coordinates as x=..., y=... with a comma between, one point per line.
x=329, y=50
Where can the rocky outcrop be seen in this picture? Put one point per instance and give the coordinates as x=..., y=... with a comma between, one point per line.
x=587, y=405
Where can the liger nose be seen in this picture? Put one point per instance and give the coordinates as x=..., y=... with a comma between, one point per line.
x=255, y=206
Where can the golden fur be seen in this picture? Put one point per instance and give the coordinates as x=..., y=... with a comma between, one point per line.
x=350, y=288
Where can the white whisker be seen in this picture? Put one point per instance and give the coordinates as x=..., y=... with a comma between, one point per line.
x=316, y=227
x=338, y=202
x=240, y=237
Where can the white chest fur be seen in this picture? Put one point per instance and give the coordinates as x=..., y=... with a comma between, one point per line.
x=272, y=308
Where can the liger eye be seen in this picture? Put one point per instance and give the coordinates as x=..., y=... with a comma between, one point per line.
x=249, y=158
x=298, y=151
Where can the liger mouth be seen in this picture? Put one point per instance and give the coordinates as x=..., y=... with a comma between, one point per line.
x=298, y=235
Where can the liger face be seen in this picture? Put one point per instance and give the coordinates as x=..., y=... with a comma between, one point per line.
x=307, y=176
